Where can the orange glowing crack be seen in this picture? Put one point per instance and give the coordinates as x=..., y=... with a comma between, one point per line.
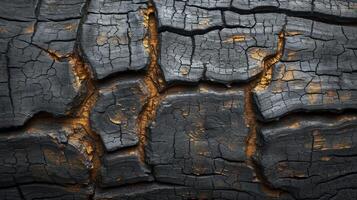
x=250, y=117
x=153, y=78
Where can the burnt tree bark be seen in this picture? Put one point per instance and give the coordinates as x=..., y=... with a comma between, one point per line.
x=173, y=99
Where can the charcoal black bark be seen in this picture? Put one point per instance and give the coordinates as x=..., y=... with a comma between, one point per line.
x=178, y=99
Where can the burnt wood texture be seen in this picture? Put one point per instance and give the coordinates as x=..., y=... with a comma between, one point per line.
x=178, y=99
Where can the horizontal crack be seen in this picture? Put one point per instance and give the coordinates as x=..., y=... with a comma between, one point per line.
x=312, y=15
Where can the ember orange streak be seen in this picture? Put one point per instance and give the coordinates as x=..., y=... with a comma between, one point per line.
x=269, y=62
x=260, y=84
x=153, y=79
x=83, y=75
x=250, y=117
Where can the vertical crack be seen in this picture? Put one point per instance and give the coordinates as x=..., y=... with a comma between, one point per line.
x=22, y=196
x=251, y=119
x=37, y=15
x=84, y=75
x=269, y=62
x=9, y=78
x=153, y=77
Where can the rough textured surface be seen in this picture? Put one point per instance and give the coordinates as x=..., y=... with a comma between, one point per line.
x=115, y=114
x=198, y=140
x=45, y=154
x=224, y=55
x=311, y=157
x=123, y=168
x=10, y=193
x=203, y=14
x=168, y=192
x=41, y=191
x=32, y=79
x=178, y=99
x=316, y=72
x=225, y=41
x=113, y=40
